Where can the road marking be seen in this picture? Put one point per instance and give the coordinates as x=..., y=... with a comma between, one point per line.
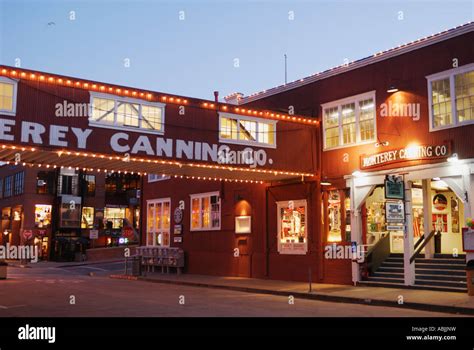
x=93, y=268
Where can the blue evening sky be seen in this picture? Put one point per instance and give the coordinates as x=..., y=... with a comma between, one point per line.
x=197, y=55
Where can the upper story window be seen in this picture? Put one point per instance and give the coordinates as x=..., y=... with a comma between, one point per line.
x=157, y=177
x=242, y=130
x=451, y=97
x=45, y=182
x=19, y=183
x=88, y=183
x=349, y=121
x=8, y=189
x=133, y=114
x=8, y=90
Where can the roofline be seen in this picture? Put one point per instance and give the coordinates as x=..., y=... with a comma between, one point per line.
x=377, y=57
x=148, y=95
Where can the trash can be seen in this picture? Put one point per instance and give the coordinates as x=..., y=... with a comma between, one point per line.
x=3, y=270
x=470, y=277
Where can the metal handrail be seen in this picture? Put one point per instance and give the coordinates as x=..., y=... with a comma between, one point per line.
x=425, y=242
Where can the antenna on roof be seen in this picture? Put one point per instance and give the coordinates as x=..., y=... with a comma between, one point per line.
x=286, y=69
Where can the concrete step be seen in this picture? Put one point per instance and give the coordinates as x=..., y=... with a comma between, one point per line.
x=450, y=278
x=448, y=272
x=395, y=279
x=453, y=284
x=387, y=274
x=440, y=266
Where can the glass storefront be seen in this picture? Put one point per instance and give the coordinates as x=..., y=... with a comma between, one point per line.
x=292, y=227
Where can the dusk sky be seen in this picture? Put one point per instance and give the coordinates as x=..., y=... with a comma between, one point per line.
x=195, y=47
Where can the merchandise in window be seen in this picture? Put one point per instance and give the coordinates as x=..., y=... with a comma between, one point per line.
x=42, y=215
x=292, y=227
x=87, y=217
x=158, y=222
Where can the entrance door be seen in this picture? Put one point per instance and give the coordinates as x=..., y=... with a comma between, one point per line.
x=158, y=222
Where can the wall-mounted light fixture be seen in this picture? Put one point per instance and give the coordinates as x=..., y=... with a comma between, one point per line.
x=454, y=158
x=391, y=89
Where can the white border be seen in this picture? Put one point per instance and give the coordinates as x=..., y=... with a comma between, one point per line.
x=351, y=99
x=13, y=82
x=126, y=100
x=200, y=196
x=450, y=73
x=246, y=142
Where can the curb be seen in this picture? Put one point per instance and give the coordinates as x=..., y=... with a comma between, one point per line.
x=314, y=296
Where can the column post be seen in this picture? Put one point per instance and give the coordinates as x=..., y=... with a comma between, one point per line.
x=427, y=217
x=409, y=268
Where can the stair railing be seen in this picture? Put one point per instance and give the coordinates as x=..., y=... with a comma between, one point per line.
x=425, y=242
x=378, y=253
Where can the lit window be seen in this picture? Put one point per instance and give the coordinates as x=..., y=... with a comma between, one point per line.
x=158, y=222
x=8, y=89
x=441, y=97
x=127, y=113
x=349, y=121
x=292, y=227
x=451, y=97
x=87, y=217
x=8, y=190
x=205, y=212
x=465, y=96
x=114, y=217
x=42, y=215
x=246, y=131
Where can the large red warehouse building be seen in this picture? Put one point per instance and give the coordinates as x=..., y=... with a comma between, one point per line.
x=373, y=156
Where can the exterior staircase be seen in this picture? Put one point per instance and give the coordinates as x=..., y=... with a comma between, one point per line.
x=441, y=273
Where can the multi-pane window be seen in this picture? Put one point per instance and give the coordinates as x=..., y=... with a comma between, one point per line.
x=7, y=96
x=367, y=120
x=1, y=188
x=244, y=130
x=8, y=191
x=131, y=113
x=19, y=183
x=205, y=211
x=158, y=222
x=441, y=102
x=349, y=121
x=451, y=96
x=464, y=84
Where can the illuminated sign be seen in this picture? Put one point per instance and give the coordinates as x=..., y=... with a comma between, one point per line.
x=417, y=152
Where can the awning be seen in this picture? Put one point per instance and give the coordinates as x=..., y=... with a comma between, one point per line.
x=52, y=158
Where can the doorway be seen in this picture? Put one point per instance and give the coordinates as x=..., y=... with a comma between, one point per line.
x=158, y=222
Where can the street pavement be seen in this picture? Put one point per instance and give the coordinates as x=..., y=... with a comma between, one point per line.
x=53, y=290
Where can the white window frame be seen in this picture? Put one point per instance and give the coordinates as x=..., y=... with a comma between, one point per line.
x=117, y=99
x=338, y=103
x=450, y=73
x=155, y=231
x=13, y=82
x=296, y=203
x=251, y=119
x=201, y=196
x=157, y=177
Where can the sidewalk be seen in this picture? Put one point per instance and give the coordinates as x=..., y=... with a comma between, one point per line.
x=449, y=302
